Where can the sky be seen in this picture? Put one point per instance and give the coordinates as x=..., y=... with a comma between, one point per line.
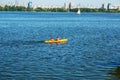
x=96, y=3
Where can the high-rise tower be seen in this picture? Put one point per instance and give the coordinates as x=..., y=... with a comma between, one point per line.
x=109, y=6
x=29, y=4
x=71, y=6
x=104, y=6
x=66, y=5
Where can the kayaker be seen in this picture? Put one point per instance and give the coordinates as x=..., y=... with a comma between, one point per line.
x=51, y=39
x=57, y=39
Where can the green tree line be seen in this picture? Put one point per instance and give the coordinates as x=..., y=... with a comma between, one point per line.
x=39, y=9
x=95, y=10
x=22, y=8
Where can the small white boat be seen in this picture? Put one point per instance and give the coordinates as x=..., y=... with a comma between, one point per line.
x=78, y=12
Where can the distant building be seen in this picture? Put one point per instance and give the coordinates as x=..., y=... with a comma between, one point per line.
x=78, y=6
x=66, y=5
x=30, y=4
x=118, y=7
x=104, y=6
x=49, y=6
x=109, y=6
x=16, y=3
x=71, y=6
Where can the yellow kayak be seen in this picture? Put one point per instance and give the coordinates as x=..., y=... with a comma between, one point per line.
x=54, y=41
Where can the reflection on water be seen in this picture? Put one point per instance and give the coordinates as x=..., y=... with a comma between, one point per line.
x=13, y=43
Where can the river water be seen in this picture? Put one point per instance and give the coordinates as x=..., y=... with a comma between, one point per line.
x=92, y=50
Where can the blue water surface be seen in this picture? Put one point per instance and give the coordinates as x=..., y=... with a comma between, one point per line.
x=93, y=46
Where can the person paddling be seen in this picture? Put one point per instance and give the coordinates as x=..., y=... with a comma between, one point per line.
x=51, y=39
x=57, y=39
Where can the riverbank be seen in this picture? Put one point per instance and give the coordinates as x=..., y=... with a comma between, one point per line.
x=39, y=9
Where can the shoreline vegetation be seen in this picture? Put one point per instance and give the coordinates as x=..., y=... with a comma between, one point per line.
x=39, y=9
